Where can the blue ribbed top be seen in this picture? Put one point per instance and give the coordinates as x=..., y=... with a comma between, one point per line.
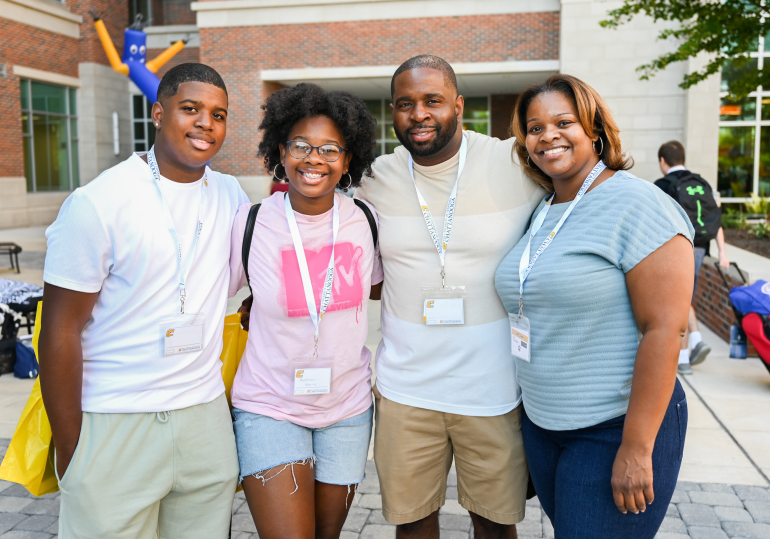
x=583, y=334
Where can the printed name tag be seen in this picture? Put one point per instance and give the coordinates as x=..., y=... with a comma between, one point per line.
x=184, y=339
x=182, y=334
x=520, y=343
x=315, y=381
x=443, y=311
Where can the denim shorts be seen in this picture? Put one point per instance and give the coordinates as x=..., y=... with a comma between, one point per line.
x=339, y=450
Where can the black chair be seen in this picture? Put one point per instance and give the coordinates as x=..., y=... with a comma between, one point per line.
x=27, y=309
x=12, y=250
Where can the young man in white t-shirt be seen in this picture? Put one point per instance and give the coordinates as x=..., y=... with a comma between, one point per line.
x=136, y=280
x=446, y=381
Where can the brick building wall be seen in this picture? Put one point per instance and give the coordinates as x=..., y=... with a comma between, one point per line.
x=240, y=53
x=186, y=55
x=177, y=12
x=29, y=47
x=11, y=149
x=712, y=302
x=114, y=13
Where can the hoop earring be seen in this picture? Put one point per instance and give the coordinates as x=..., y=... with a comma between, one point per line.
x=528, y=163
x=276, y=178
x=350, y=182
x=593, y=145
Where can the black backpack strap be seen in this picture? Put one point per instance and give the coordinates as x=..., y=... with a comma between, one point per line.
x=369, y=217
x=248, y=234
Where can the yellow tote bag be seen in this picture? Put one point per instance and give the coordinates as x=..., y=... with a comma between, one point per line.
x=233, y=345
x=29, y=459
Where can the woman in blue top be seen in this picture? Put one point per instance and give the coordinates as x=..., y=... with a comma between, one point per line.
x=607, y=267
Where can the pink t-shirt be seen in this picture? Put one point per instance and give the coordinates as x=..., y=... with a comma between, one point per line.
x=280, y=328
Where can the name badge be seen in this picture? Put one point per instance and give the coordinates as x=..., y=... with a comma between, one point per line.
x=443, y=311
x=313, y=381
x=520, y=341
x=182, y=334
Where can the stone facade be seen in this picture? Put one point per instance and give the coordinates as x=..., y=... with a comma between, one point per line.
x=243, y=39
x=59, y=45
x=650, y=112
x=484, y=38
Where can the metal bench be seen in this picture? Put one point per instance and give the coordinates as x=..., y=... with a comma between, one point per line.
x=12, y=250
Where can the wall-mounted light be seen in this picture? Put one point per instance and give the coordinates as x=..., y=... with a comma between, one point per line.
x=115, y=134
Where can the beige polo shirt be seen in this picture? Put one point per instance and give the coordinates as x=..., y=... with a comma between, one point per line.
x=465, y=369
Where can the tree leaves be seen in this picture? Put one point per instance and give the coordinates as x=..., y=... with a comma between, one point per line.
x=727, y=30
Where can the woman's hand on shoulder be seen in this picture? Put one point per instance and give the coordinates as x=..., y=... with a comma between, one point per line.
x=376, y=291
x=245, y=310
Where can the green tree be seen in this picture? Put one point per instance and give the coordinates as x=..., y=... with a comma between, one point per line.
x=727, y=29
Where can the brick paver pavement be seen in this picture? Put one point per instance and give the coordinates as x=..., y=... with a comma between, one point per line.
x=697, y=511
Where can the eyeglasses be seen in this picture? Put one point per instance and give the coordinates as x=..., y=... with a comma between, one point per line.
x=328, y=152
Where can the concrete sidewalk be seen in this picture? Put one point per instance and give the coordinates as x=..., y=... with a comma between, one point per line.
x=723, y=490
x=722, y=493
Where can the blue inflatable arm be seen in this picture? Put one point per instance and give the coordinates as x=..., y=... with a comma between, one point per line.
x=134, y=62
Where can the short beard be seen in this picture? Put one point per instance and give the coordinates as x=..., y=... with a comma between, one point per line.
x=444, y=134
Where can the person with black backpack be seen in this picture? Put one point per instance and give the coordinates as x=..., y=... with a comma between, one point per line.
x=302, y=396
x=697, y=199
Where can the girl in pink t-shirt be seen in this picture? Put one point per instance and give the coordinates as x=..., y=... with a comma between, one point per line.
x=302, y=395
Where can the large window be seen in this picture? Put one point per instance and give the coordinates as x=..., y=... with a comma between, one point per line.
x=144, y=131
x=143, y=7
x=475, y=118
x=744, y=133
x=386, y=136
x=50, y=135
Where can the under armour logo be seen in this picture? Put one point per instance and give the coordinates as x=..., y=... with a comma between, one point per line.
x=695, y=190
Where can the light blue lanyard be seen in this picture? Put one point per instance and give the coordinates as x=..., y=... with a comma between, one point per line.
x=184, y=271
x=524, y=267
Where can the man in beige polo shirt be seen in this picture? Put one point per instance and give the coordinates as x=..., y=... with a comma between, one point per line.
x=446, y=381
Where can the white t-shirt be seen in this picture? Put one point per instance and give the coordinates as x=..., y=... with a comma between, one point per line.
x=183, y=200
x=467, y=369
x=111, y=237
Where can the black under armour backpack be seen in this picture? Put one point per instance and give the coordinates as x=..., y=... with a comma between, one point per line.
x=695, y=196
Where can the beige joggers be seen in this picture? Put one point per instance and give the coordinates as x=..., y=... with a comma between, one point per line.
x=170, y=475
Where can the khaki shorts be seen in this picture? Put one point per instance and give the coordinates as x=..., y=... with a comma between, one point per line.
x=413, y=450
x=147, y=475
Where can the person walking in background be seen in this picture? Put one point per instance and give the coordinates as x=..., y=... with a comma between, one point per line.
x=136, y=281
x=302, y=396
x=451, y=204
x=604, y=415
x=695, y=195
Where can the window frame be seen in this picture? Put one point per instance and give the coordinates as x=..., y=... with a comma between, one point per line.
x=384, y=125
x=30, y=111
x=757, y=123
x=146, y=119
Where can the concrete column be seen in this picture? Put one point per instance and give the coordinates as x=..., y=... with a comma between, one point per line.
x=648, y=113
x=13, y=203
x=102, y=92
x=701, y=138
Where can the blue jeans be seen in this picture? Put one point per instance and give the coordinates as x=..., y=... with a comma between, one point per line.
x=572, y=469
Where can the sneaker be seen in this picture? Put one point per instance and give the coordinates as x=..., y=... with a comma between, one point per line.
x=699, y=352
x=684, y=368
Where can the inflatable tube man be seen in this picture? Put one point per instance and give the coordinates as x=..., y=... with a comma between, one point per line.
x=134, y=63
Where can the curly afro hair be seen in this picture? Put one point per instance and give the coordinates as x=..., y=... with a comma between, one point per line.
x=288, y=106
